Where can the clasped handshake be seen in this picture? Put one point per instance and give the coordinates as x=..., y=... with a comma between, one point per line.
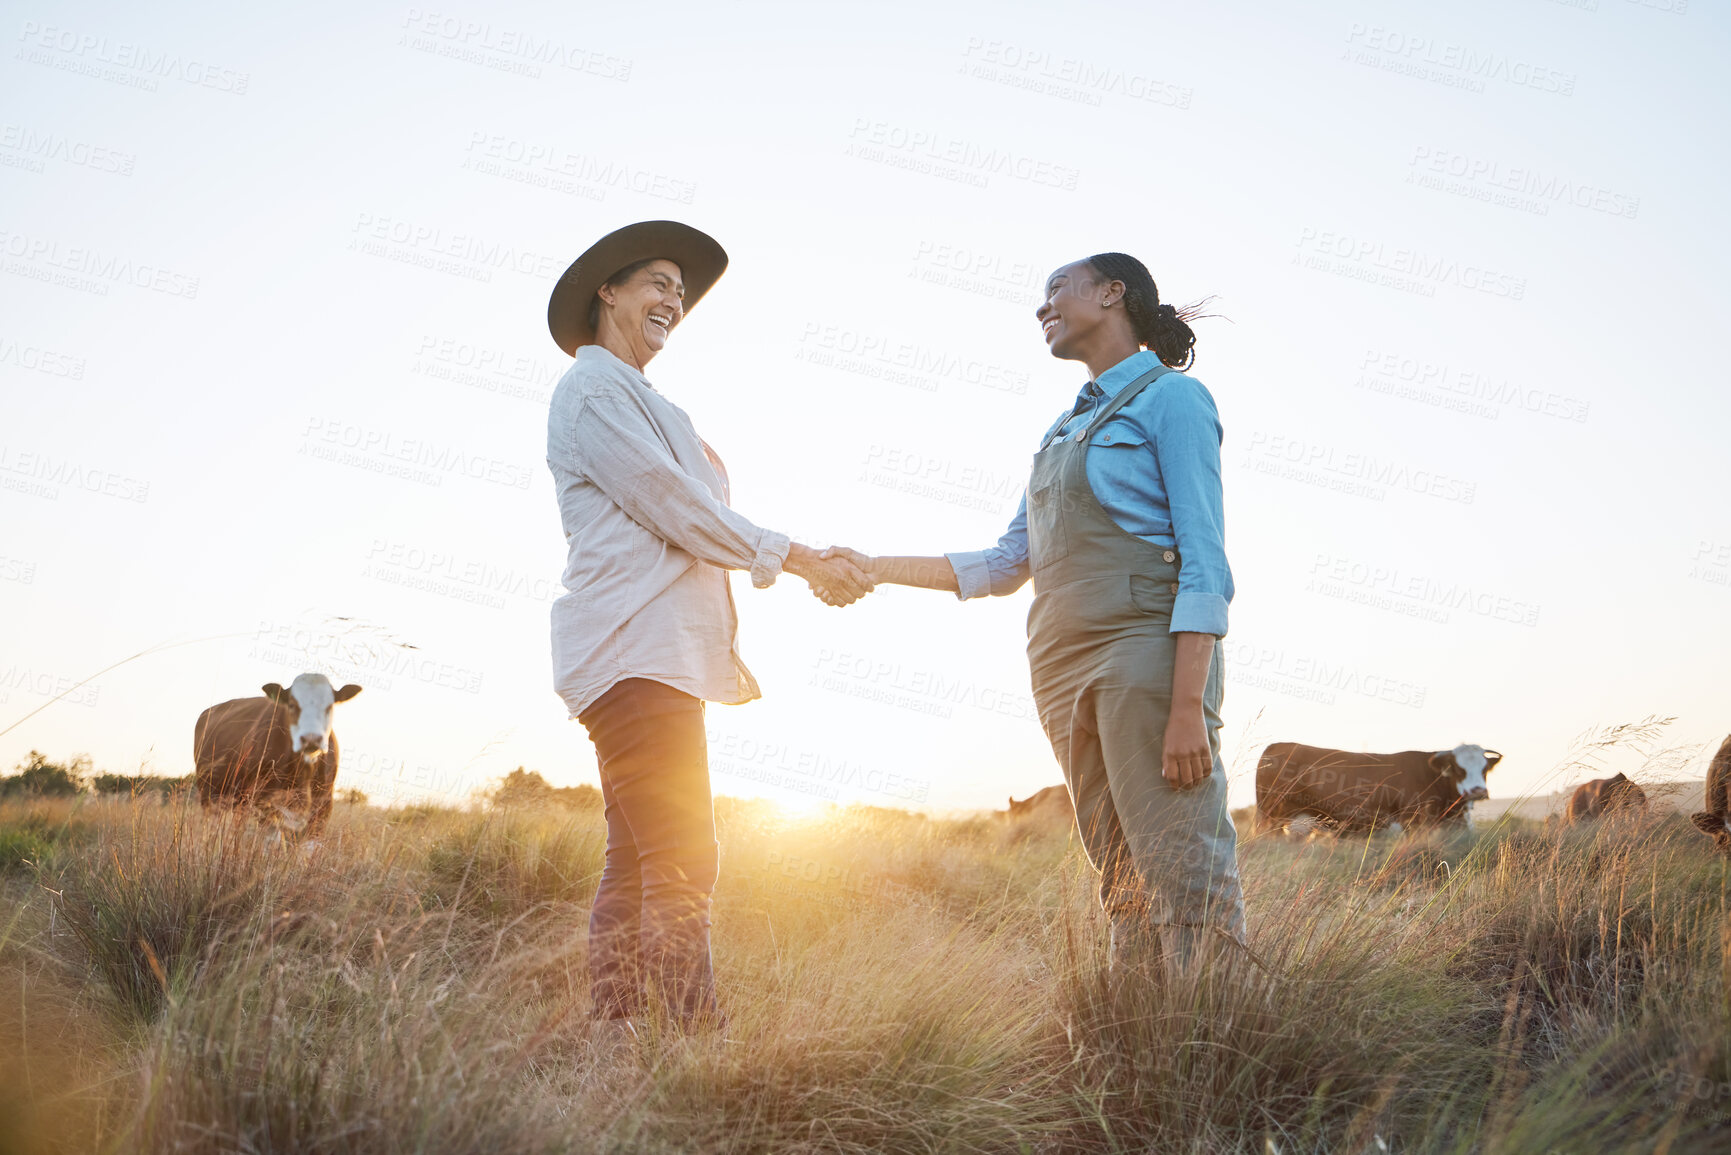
x=838, y=576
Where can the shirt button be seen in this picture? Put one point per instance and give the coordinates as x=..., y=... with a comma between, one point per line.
x=1174, y=587
x=1080, y=435
x=1169, y=556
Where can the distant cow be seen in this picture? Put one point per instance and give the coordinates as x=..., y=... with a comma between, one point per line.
x=1602, y=797
x=1348, y=791
x=1715, y=821
x=277, y=751
x=1052, y=802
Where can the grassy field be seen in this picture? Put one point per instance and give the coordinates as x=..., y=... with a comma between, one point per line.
x=895, y=983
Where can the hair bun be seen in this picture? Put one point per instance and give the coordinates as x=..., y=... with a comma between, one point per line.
x=1161, y=327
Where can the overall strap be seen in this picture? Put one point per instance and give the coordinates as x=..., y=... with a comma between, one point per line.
x=1111, y=407
x=1127, y=395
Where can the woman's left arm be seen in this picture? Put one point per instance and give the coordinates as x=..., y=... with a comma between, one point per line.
x=1186, y=437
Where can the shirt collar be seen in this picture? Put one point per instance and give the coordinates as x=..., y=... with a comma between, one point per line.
x=1121, y=374
x=603, y=358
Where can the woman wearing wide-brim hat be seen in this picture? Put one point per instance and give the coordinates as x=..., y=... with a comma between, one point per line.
x=645, y=632
x=1123, y=532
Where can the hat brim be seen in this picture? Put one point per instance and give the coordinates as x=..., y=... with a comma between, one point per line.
x=700, y=258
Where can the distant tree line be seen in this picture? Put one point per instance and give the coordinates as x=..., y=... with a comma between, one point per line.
x=37, y=777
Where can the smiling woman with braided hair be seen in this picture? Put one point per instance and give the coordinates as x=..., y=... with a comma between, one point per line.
x=1123, y=533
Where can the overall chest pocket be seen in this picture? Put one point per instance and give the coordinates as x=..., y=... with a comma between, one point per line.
x=1048, y=536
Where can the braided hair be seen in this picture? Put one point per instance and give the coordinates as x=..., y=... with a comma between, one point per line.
x=1161, y=327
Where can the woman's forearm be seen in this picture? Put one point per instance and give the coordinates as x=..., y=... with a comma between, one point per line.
x=1190, y=670
x=927, y=573
x=1186, y=757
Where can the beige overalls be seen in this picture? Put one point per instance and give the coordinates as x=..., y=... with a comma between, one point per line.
x=1101, y=652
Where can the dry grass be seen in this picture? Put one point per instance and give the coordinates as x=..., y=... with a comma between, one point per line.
x=895, y=983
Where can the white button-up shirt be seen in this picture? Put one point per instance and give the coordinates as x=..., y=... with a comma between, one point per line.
x=650, y=540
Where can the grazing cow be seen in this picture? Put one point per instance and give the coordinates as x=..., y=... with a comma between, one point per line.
x=1715, y=821
x=1602, y=797
x=277, y=751
x=1347, y=791
x=1052, y=802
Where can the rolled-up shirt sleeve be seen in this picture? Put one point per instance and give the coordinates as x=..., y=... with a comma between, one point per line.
x=615, y=448
x=1186, y=428
x=1002, y=569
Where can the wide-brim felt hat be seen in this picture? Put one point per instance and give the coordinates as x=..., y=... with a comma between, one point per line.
x=700, y=258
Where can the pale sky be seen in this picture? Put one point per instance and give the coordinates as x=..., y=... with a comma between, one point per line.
x=274, y=360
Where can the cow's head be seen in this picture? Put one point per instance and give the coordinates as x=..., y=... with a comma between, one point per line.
x=1715, y=826
x=1466, y=766
x=308, y=702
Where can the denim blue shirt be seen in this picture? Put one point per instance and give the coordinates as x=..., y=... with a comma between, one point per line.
x=1155, y=468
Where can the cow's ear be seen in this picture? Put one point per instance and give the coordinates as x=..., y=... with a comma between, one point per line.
x=1711, y=825
x=347, y=692
x=274, y=692
x=1443, y=762
x=1491, y=759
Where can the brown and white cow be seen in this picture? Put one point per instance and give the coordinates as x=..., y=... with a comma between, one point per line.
x=1715, y=821
x=277, y=752
x=1602, y=797
x=1348, y=791
x=1050, y=803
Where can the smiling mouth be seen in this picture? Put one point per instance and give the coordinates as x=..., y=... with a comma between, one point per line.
x=666, y=323
x=1049, y=326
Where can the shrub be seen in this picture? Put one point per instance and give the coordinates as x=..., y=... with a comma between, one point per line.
x=527, y=788
x=133, y=785
x=32, y=830
x=37, y=777
x=504, y=865
x=148, y=905
x=22, y=849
